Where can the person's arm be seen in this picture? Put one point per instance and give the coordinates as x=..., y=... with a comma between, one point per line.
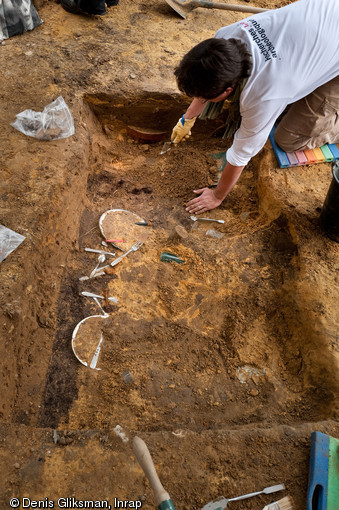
x=256, y=124
x=195, y=108
x=210, y=199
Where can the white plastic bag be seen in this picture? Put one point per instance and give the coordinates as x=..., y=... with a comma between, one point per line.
x=9, y=241
x=17, y=16
x=55, y=122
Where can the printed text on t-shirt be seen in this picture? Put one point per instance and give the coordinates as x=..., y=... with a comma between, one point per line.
x=260, y=38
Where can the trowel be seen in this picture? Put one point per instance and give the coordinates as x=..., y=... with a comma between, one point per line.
x=166, y=147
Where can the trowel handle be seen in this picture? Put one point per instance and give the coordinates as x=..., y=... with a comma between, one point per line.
x=145, y=460
x=226, y=7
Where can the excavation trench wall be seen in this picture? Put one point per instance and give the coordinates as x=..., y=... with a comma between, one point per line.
x=34, y=272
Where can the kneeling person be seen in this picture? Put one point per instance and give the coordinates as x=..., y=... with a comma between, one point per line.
x=287, y=56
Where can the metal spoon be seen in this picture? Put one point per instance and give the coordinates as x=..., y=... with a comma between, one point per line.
x=101, y=259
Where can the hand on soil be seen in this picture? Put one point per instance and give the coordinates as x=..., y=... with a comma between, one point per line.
x=205, y=202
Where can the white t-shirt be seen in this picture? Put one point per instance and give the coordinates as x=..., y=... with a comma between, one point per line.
x=295, y=49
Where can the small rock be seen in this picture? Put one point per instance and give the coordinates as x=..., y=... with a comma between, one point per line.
x=132, y=76
x=17, y=465
x=244, y=216
x=254, y=393
x=107, y=130
x=213, y=233
x=181, y=231
x=109, y=270
x=126, y=376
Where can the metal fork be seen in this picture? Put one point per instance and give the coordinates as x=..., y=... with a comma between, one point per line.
x=135, y=247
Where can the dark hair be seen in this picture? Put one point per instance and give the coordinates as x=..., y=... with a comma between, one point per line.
x=212, y=66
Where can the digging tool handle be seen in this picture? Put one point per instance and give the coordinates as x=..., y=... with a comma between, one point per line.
x=226, y=7
x=145, y=460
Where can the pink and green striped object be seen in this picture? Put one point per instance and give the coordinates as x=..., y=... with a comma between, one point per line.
x=323, y=484
x=324, y=154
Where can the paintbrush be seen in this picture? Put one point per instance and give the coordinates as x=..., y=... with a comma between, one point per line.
x=162, y=498
x=283, y=504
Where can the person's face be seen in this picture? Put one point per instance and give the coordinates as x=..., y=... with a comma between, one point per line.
x=221, y=97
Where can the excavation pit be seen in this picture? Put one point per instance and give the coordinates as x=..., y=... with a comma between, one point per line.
x=232, y=349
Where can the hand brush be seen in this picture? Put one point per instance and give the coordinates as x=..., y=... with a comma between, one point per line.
x=283, y=504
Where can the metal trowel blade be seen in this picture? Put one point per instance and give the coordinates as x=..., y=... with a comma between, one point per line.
x=166, y=147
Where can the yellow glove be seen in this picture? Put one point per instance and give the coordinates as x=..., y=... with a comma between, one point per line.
x=182, y=130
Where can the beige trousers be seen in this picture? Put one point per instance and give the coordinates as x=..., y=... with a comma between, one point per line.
x=311, y=121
